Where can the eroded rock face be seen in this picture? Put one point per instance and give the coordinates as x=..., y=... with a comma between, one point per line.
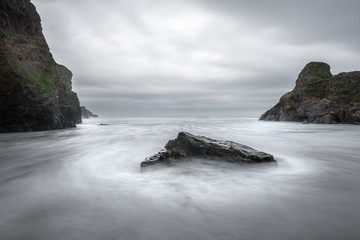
x=35, y=91
x=320, y=97
x=187, y=146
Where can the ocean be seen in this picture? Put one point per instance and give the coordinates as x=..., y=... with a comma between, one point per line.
x=86, y=183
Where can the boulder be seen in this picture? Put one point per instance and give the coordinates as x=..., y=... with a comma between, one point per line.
x=188, y=146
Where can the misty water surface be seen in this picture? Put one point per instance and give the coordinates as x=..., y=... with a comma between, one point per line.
x=85, y=183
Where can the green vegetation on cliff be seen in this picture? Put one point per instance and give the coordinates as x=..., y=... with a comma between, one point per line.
x=320, y=97
x=35, y=92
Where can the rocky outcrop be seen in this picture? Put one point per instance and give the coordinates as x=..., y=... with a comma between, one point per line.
x=187, y=146
x=35, y=91
x=86, y=113
x=320, y=97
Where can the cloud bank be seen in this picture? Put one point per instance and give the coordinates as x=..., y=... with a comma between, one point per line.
x=195, y=58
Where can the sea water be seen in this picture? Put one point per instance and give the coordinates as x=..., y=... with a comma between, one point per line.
x=86, y=183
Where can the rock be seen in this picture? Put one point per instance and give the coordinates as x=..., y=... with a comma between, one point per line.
x=104, y=124
x=320, y=97
x=187, y=146
x=85, y=113
x=35, y=91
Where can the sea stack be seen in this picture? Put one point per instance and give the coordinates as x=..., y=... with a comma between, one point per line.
x=320, y=97
x=35, y=92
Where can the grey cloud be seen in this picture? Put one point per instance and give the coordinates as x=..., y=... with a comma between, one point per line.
x=235, y=99
x=198, y=57
x=303, y=21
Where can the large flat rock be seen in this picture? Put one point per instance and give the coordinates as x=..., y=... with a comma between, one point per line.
x=188, y=146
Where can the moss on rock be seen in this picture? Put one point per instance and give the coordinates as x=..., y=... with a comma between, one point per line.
x=33, y=87
x=320, y=97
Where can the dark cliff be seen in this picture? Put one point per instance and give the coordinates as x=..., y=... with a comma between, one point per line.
x=35, y=92
x=320, y=97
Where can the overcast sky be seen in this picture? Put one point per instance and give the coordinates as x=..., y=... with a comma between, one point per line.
x=196, y=57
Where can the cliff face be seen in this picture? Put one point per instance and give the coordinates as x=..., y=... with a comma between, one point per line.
x=35, y=92
x=320, y=97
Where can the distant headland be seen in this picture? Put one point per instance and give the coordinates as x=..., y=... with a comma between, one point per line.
x=86, y=113
x=320, y=97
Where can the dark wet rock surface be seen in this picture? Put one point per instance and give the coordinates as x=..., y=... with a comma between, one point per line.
x=187, y=146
